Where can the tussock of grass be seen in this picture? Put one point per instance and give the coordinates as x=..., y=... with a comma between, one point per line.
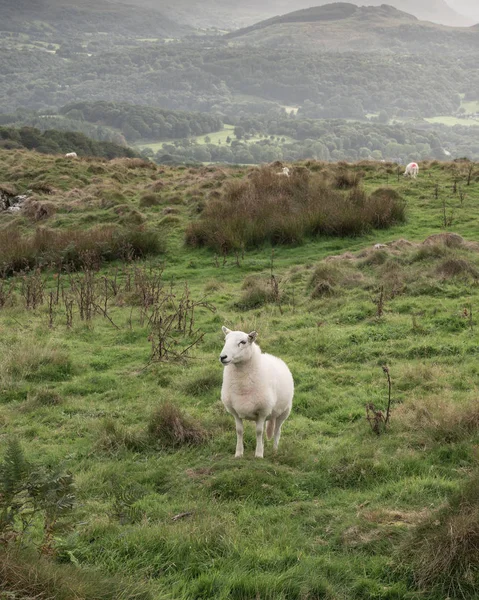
x=75, y=249
x=256, y=293
x=441, y=420
x=46, y=397
x=31, y=361
x=324, y=279
x=285, y=210
x=455, y=267
x=444, y=549
x=25, y=576
x=150, y=199
x=345, y=179
x=171, y=428
x=205, y=381
x=113, y=437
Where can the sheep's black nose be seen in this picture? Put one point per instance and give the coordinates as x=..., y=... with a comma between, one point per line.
x=223, y=357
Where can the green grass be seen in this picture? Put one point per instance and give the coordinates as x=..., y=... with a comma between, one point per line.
x=216, y=137
x=326, y=516
x=451, y=121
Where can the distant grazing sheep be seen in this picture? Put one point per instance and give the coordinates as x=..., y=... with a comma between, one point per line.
x=411, y=170
x=284, y=172
x=71, y=155
x=257, y=387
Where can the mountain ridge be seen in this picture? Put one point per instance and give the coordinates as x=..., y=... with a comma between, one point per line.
x=86, y=16
x=228, y=14
x=344, y=26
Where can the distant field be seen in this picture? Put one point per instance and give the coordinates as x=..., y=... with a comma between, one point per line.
x=471, y=107
x=217, y=137
x=451, y=121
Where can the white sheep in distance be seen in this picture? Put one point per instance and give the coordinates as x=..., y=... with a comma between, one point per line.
x=257, y=387
x=284, y=172
x=411, y=170
x=71, y=155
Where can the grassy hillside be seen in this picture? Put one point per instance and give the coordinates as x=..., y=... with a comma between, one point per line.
x=95, y=384
x=62, y=17
x=344, y=26
x=229, y=15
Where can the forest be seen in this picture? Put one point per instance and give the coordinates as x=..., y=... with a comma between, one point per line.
x=53, y=141
x=194, y=76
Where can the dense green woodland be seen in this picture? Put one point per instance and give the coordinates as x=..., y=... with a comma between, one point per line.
x=57, y=20
x=53, y=141
x=195, y=76
x=145, y=122
x=327, y=140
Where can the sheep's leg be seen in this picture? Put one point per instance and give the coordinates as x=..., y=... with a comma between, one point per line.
x=259, y=438
x=277, y=430
x=239, y=438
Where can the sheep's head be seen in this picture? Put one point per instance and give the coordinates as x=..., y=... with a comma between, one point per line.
x=238, y=346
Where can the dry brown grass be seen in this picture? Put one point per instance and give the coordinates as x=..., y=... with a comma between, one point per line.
x=444, y=548
x=266, y=207
x=25, y=576
x=439, y=419
x=457, y=267
x=73, y=249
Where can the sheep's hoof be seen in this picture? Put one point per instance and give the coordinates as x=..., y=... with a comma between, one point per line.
x=258, y=456
x=239, y=455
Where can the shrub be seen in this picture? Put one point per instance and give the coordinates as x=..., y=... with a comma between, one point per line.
x=47, y=248
x=172, y=429
x=285, y=210
x=345, y=179
x=444, y=548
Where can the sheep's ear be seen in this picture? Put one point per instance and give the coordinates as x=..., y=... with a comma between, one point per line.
x=226, y=330
x=252, y=336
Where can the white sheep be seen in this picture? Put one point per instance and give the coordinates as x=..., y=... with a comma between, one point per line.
x=257, y=387
x=71, y=155
x=411, y=170
x=284, y=172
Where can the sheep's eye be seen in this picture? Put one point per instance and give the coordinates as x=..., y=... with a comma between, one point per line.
x=242, y=342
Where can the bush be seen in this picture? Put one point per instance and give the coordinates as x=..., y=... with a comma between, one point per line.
x=74, y=249
x=285, y=210
x=172, y=429
x=345, y=179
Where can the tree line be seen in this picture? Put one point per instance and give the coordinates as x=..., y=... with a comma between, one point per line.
x=53, y=142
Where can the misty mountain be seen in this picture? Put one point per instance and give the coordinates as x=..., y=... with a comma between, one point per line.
x=72, y=17
x=468, y=8
x=346, y=27
x=230, y=14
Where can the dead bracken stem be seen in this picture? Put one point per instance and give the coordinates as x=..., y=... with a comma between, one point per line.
x=386, y=371
x=375, y=417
